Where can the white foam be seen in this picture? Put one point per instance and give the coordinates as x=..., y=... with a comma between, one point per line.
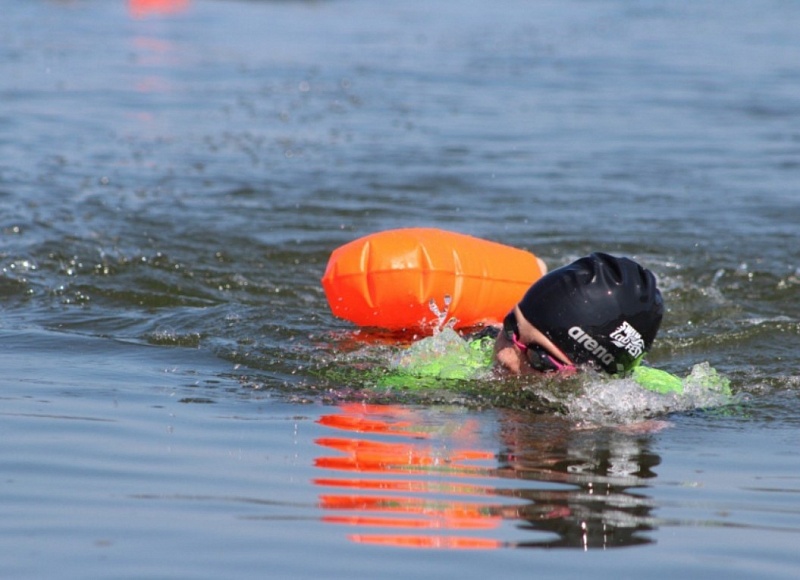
x=605, y=401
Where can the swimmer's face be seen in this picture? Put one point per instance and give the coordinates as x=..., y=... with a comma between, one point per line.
x=522, y=348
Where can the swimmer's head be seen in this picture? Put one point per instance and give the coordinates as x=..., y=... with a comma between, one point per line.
x=599, y=310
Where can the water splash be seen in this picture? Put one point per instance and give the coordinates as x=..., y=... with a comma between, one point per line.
x=605, y=400
x=441, y=315
x=445, y=366
x=444, y=355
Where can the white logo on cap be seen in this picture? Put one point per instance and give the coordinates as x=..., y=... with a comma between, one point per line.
x=595, y=348
x=627, y=337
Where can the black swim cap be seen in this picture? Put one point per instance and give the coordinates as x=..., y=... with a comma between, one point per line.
x=600, y=310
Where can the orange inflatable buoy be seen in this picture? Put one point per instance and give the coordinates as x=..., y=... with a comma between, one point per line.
x=415, y=278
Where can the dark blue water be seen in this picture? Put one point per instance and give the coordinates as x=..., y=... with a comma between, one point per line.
x=178, y=400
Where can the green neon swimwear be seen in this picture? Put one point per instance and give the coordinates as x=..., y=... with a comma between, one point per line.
x=657, y=380
x=447, y=356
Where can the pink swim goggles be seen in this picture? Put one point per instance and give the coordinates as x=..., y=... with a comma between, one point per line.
x=536, y=355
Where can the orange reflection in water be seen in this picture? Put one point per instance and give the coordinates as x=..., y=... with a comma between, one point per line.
x=418, y=478
x=408, y=485
x=144, y=8
x=156, y=59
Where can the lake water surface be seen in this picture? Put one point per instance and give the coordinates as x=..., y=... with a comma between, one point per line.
x=177, y=399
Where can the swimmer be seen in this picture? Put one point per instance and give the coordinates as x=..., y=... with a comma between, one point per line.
x=600, y=311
